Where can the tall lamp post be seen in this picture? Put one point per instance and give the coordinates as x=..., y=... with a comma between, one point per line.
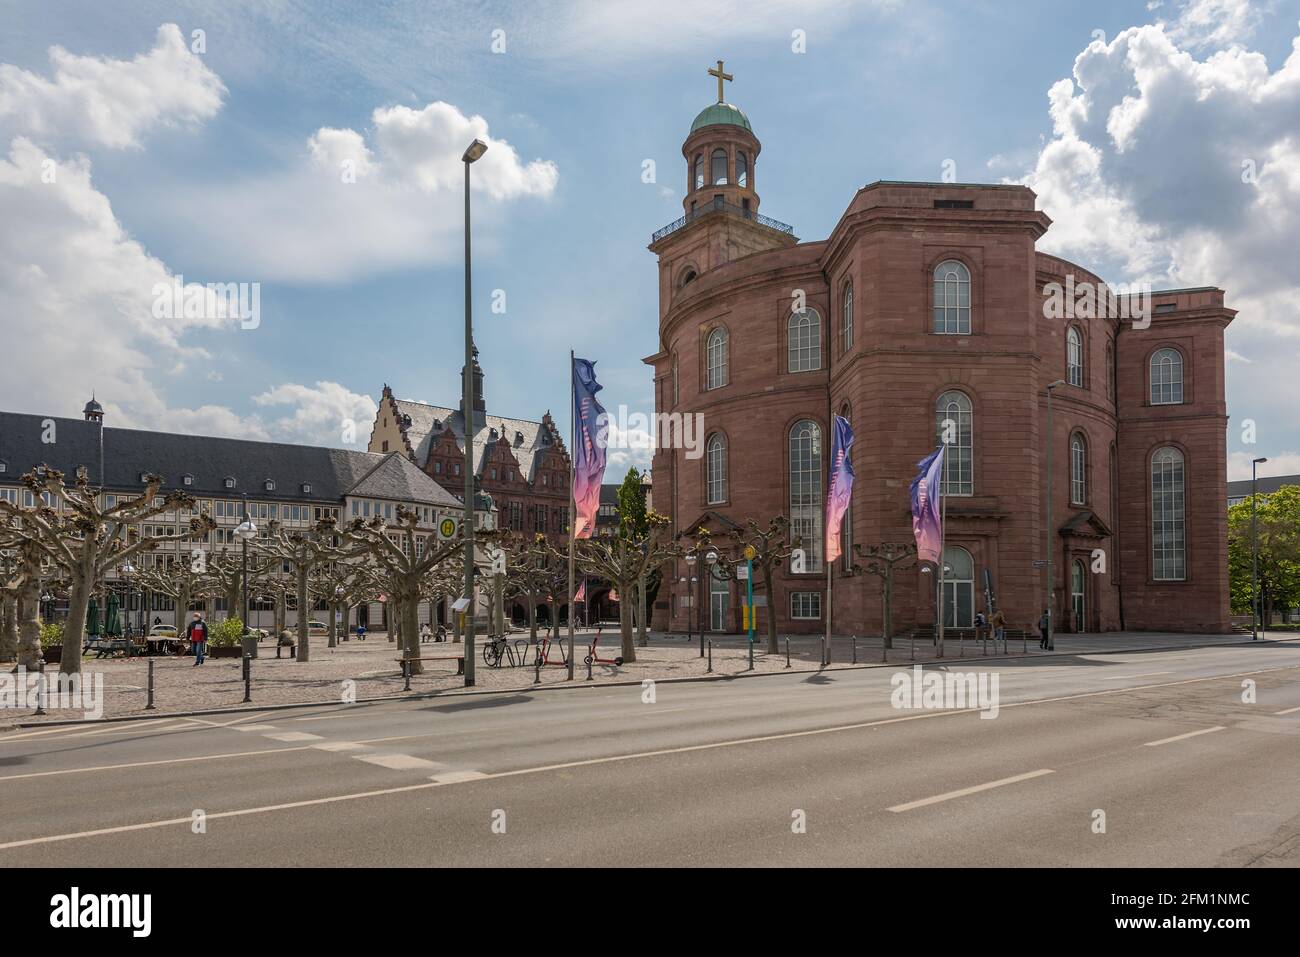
x=1255, y=609
x=245, y=531
x=128, y=573
x=685, y=582
x=693, y=592
x=472, y=153
x=1051, y=441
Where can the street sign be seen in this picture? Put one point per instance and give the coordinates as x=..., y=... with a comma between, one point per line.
x=742, y=572
x=750, y=553
x=447, y=529
x=460, y=604
x=1039, y=563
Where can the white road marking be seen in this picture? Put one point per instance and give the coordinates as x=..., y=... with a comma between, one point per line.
x=146, y=764
x=948, y=796
x=256, y=727
x=339, y=746
x=1184, y=737
x=1287, y=711
x=292, y=736
x=455, y=777
x=399, y=762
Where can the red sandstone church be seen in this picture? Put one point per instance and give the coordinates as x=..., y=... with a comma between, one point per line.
x=930, y=302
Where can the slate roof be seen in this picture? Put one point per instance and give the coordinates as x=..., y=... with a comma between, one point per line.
x=331, y=473
x=396, y=477
x=1264, y=485
x=526, y=438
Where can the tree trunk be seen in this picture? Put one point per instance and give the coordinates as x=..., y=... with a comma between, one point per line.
x=410, y=617
x=641, y=613
x=333, y=625
x=304, y=650
x=74, y=630
x=772, y=647
x=8, y=628
x=280, y=616
x=625, y=625
x=29, y=624
x=532, y=619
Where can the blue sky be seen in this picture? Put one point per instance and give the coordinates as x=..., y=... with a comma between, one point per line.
x=229, y=175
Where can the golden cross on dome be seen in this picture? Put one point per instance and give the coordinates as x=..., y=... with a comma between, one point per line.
x=722, y=77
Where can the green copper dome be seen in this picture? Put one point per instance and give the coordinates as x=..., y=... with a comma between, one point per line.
x=721, y=113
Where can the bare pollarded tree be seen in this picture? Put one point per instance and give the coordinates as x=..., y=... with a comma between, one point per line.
x=342, y=584
x=223, y=575
x=181, y=578
x=624, y=561
x=770, y=545
x=87, y=538
x=405, y=555
x=306, y=550
x=20, y=597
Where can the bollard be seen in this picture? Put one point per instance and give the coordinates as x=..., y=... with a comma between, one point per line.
x=823, y=641
x=854, y=639
x=40, y=688
x=884, y=651
x=149, y=704
x=248, y=680
x=787, y=652
x=589, y=657
x=537, y=669
x=961, y=643
x=709, y=671
x=406, y=673
x=914, y=646
x=1024, y=642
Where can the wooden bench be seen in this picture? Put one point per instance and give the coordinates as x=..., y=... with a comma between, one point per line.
x=108, y=647
x=459, y=659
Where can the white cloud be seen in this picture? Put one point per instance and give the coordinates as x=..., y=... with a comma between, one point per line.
x=1186, y=172
x=112, y=103
x=358, y=204
x=321, y=413
x=1204, y=23
x=1279, y=463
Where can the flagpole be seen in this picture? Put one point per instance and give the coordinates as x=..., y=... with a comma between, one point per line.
x=943, y=531
x=573, y=502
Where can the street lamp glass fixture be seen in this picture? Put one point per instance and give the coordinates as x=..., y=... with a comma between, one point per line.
x=711, y=556
x=690, y=558
x=475, y=150
x=246, y=530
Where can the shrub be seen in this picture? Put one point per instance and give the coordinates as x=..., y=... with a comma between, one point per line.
x=226, y=634
x=51, y=634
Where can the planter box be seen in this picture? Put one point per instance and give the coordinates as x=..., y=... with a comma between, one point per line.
x=53, y=654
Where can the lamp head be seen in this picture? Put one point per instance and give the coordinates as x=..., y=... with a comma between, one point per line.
x=475, y=150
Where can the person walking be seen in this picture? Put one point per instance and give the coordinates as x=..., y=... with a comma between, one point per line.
x=196, y=632
x=1042, y=631
x=361, y=631
x=425, y=633
x=999, y=629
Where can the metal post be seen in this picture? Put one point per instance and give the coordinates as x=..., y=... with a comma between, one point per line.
x=1051, y=441
x=468, y=420
x=406, y=673
x=1256, y=610
x=854, y=639
x=40, y=688
x=537, y=670
x=588, y=657
x=243, y=577
x=248, y=679
x=787, y=652
x=149, y=706
x=823, y=640
x=710, y=668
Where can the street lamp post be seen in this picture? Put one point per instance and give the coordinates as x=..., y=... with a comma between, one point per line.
x=1051, y=441
x=710, y=559
x=685, y=582
x=692, y=592
x=475, y=150
x=245, y=531
x=128, y=571
x=1255, y=609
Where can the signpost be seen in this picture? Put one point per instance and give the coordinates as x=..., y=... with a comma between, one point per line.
x=749, y=599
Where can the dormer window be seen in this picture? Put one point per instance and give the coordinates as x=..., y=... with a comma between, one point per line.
x=269, y=485
x=229, y=482
x=82, y=473
x=3, y=468
x=519, y=440
x=306, y=488
x=144, y=478
x=187, y=479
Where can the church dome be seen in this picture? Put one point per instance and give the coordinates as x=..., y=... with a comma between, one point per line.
x=721, y=114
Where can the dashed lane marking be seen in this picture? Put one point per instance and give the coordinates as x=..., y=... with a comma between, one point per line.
x=1184, y=737
x=950, y=795
x=399, y=762
x=293, y=736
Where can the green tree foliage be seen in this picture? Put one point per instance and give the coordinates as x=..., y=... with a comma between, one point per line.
x=1279, y=551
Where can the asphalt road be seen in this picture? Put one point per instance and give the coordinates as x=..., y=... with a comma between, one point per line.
x=713, y=773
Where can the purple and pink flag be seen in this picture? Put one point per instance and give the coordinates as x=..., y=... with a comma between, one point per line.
x=927, y=521
x=589, y=449
x=841, y=487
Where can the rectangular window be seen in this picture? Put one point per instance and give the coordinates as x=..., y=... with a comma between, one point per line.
x=806, y=605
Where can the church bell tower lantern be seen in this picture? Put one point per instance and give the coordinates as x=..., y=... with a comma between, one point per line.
x=720, y=153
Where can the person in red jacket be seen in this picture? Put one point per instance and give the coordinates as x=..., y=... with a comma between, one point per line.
x=197, y=633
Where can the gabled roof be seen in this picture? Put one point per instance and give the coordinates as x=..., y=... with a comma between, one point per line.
x=1264, y=485
x=130, y=452
x=526, y=438
x=1085, y=524
x=397, y=478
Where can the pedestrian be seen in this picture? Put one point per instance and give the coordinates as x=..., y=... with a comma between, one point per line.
x=361, y=631
x=999, y=629
x=1042, y=631
x=981, y=623
x=425, y=633
x=197, y=634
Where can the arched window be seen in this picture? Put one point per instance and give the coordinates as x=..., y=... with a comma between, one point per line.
x=954, y=424
x=742, y=169
x=804, y=335
x=806, y=491
x=1078, y=584
x=699, y=170
x=716, y=353
x=1166, y=377
x=1074, y=356
x=846, y=315
x=952, y=298
x=716, y=467
x=1168, y=531
x=719, y=168
x=958, y=588
x=1078, y=469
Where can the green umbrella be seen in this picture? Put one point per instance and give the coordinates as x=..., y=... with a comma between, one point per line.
x=92, y=618
x=112, y=624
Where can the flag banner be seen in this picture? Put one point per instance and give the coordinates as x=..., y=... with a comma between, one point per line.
x=582, y=592
x=588, y=452
x=613, y=594
x=927, y=523
x=841, y=486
